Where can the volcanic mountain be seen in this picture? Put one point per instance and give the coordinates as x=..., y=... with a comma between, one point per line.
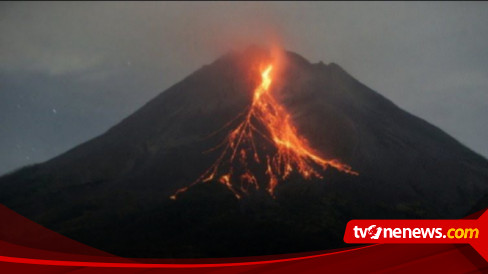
x=250, y=156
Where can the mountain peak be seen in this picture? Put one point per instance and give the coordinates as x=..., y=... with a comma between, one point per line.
x=118, y=184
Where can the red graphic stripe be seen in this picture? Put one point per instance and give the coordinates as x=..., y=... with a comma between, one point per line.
x=148, y=265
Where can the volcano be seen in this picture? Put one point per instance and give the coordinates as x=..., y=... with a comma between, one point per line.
x=269, y=119
x=251, y=155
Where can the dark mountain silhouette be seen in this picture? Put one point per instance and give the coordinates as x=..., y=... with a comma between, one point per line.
x=113, y=192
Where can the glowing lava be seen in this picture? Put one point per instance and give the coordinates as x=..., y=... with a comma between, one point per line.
x=266, y=119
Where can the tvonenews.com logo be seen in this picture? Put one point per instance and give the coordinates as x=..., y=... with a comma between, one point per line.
x=463, y=231
x=375, y=232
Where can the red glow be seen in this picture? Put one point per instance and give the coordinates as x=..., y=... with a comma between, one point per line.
x=292, y=151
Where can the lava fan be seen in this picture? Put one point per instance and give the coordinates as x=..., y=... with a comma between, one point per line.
x=242, y=161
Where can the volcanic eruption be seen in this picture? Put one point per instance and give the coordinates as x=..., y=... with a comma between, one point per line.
x=270, y=120
x=286, y=135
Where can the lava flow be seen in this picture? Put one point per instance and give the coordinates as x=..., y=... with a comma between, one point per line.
x=268, y=120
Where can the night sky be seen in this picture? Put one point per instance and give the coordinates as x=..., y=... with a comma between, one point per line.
x=70, y=71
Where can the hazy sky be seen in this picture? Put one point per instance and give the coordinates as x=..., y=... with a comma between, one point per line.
x=69, y=71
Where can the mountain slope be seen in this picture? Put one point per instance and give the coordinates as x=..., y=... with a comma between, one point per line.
x=113, y=192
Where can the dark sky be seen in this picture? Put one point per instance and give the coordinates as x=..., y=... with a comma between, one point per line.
x=69, y=71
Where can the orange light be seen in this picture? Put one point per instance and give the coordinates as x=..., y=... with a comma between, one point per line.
x=292, y=152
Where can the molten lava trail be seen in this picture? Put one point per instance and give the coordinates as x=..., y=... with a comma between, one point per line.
x=268, y=119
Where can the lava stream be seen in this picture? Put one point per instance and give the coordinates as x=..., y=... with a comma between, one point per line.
x=291, y=151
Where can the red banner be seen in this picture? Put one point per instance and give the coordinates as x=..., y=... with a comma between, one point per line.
x=27, y=247
x=473, y=232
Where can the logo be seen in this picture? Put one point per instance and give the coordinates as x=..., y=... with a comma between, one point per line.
x=464, y=231
x=373, y=232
